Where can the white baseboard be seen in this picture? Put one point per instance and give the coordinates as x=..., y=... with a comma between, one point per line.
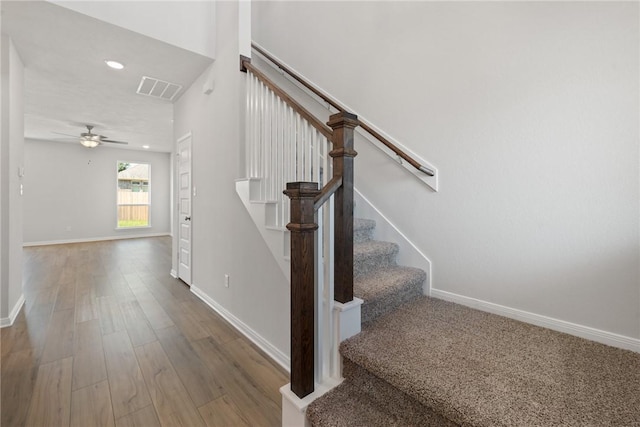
x=94, y=239
x=8, y=321
x=592, y=334
x=173, y=273
x=280, y=358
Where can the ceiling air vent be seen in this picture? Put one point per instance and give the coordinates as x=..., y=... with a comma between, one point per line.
x=158, y=88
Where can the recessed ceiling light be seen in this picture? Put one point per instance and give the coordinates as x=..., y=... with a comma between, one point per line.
x=146, y=147
x=114, y=64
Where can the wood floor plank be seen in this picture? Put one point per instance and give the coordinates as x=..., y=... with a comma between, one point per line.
x=91, y=406
x=196, y=377
x=88, y=356
x=126, y=267
x=223, y=412
x=66, y=297
x=67, y=273
x=145, y=417
x=158, y=318
x=257, y=408
x=136, y=323
x=134, y=281
x=123, y=292
x=26, y=333
x=122, y=298
x=110, y=315
x=261, y=370
x=169, y=289
x=19, y=371
x=128, y=390
x=41, y=303
x=160, y=293
x=219, y=330
x=102, y=286
x=59, y=343
x=186, y=321
x=46, y=277
x=51, y=400
x=86, y=303
x=8, y=338
x=167, y=391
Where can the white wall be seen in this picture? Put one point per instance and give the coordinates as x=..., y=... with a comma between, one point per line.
x=530, y=112
x=11, y=158
x=186, y=24
x=70, y=186
x=225, y=240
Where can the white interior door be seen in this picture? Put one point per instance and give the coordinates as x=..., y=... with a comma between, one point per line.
x=184, y=209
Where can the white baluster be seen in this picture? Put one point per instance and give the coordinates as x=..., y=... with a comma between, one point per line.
x=317, y=140
x=251, y=124
x=299, y=145
x=309, y=153
x=247, y=126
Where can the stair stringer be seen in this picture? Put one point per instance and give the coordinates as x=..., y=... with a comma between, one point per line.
x=276, y=238
x=409, y=253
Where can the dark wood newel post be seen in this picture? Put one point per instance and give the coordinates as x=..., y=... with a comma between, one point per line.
x=343, y=153
x=302, y=227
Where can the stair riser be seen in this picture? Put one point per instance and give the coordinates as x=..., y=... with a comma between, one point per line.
x=373, y=309
x=363, y=230
x=362, y=235
x=393, y=400
x=363, y=265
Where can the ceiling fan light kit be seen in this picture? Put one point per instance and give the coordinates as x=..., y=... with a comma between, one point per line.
x=89, y=143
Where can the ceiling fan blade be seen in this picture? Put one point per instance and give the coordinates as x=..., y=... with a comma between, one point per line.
x=66, y=134
x=64, y=139
x=114, y=142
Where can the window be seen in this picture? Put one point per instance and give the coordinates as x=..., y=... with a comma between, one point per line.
x=134, y=181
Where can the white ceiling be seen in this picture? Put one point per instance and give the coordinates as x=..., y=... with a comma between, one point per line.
x=68, y=85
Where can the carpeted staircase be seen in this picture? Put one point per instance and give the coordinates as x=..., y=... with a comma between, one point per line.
x=425, y=362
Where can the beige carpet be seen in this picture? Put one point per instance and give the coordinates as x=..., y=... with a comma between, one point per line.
x=434, y=363
x=479, y=369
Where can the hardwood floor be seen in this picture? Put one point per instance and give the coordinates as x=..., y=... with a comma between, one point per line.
x=108, y=338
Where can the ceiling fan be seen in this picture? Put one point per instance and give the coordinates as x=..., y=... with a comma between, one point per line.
x=91, y=140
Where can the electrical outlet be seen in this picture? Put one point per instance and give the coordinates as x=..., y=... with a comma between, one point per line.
x=226, y=280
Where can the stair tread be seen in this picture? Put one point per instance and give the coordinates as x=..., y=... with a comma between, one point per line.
x=351, y=405
x=477, y=368
x=373, y=248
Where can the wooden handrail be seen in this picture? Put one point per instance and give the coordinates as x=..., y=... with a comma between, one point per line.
x=327, y=192
x=299, y=79
x=304, y=113
x=364, y=125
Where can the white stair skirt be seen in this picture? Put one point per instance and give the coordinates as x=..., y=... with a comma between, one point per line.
x=276, y=238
